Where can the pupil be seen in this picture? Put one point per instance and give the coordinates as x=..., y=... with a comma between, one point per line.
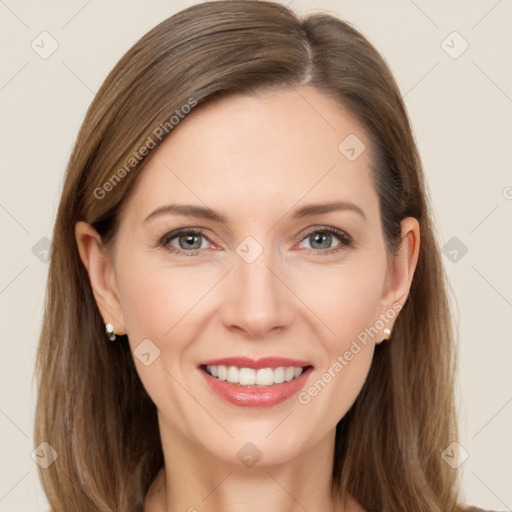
x=325, y=237
x=190, y=240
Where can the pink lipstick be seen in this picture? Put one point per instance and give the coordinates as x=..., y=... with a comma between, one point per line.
x=255, y=395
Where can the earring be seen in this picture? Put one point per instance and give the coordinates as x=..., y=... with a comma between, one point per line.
x=109, y=329
x=387, y=332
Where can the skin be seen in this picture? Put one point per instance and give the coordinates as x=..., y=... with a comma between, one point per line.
x=255, y=159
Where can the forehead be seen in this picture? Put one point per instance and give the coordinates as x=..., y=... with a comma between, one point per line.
x=252, y=154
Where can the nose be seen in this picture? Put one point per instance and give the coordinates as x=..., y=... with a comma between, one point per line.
x=257, y=303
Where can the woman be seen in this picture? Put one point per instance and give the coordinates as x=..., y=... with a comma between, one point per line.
x=246, y=305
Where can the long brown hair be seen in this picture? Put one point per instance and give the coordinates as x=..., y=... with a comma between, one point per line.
x=92, y=408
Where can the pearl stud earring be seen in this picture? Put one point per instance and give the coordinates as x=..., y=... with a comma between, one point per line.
x=109, y=329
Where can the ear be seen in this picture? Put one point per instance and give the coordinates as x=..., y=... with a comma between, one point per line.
x=101, y=275
x=400, y=273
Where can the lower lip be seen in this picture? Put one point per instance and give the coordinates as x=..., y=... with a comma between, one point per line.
x=253, y=396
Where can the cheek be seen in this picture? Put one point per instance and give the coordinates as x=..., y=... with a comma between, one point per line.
x=143, y=298
x=345, y=298
x=156, y=297
x=357, y=308
x=155, y=303
x=349, y=308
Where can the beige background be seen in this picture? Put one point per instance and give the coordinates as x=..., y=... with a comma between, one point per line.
x=461, y=109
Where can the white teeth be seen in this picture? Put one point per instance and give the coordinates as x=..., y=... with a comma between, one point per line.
x=265, y=377
x=279, y=375
x=246, y=376
x=232, y=374
x=222, y=372
x=250, y=377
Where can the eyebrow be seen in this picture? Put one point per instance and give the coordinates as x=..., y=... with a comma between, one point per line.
x=202, y=212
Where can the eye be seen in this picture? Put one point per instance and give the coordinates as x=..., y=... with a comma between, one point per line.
x=185, y=241
x=191, y=242
x=323, y=238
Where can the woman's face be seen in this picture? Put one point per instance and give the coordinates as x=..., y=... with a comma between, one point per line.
x=256, y=272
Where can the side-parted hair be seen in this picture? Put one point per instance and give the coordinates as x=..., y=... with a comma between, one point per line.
x=92, y=407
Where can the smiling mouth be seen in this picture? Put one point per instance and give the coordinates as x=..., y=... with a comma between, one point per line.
x=250, y=377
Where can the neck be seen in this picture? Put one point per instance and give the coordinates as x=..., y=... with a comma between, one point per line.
x=194, y=480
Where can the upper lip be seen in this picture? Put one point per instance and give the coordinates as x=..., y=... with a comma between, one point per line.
x=264, y=362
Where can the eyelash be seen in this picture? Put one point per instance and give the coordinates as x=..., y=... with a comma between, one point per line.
x=345, y=241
